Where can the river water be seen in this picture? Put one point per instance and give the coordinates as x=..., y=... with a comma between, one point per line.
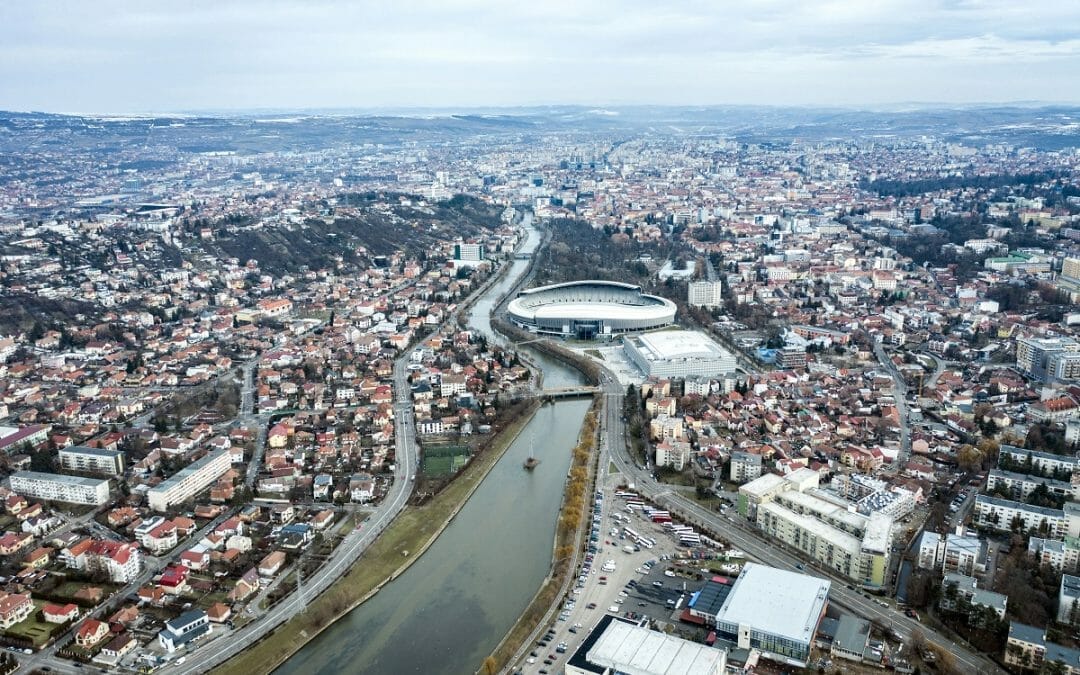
x=448, y=611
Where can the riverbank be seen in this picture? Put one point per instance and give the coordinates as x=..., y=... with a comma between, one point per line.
x=569, y=540
x=402, y=543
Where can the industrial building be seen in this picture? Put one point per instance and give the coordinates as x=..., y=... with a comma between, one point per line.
x=617, y=645
x=589, y=309
x=774, y=611
x=189, y=481
x=678, y=353
x=60, y=488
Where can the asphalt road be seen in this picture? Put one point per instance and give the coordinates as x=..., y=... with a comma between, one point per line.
x=743, y=536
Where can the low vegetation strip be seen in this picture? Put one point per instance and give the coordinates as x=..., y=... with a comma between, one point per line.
x=401, y=544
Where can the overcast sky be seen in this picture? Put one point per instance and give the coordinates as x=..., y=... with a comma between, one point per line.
x=183, y=55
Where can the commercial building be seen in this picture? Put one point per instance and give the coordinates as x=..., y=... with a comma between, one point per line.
x=678, y=353
x=616, y=645
x=60, y=488
x=774, y=611
x=821, y=524
x=789, y=358
x=189, y=626
x=589, y=309
x=705, y=293
x=189, y=481
x=92, y=460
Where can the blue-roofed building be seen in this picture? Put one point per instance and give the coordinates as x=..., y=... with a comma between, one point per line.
x=295, y=536
x=185, y=628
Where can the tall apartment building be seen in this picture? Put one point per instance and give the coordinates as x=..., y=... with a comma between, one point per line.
x=60, y=488
x=468, y=255
x=92, y=460
x=705, y=293
x=821, y=525
x=189, y=481
x=1047, y=359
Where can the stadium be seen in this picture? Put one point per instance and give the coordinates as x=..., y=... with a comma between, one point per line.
x=588, y=309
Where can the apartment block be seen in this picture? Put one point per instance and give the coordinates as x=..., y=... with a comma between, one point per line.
x=92, y=460
x=1006, y=515
x=60, y=488
x=189, y=481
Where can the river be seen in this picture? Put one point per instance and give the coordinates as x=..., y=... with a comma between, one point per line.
x=449, y=610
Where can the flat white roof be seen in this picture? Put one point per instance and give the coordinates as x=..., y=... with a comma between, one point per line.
x=763, y=485
x=787, y=604
x=678, y=344
x=878, y=533
x=639, y=651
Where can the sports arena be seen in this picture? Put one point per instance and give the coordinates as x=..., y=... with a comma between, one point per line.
x=588, y=309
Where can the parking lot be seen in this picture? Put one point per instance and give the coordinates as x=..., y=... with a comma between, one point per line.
x=632, y=584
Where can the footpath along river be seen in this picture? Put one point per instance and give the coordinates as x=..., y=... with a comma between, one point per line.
x=448, y=611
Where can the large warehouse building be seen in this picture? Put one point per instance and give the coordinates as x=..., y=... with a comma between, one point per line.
x=775, y=611
x=589, y=309
x=678, y=353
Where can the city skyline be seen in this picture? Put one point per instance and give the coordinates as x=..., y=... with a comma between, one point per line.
x=118, y=57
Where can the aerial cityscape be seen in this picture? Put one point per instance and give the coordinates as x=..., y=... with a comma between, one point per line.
x=405, y=363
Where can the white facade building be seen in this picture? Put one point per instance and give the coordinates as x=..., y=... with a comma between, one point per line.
x=189, y=481
x=60, y=488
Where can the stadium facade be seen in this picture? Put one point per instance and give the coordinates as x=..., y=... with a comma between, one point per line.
x=589, y=309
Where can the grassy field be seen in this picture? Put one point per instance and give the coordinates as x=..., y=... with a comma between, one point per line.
x=444, y=460
x=32, y=629
x=398, y=546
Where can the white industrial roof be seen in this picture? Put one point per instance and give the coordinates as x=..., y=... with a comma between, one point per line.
x=639, y=651
x=678, y=344
x=775, y=601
